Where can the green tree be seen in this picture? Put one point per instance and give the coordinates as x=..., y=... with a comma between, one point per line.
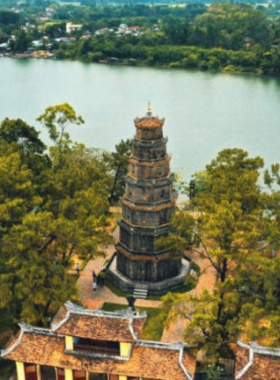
x=117, y=163
x=21, y=43
x=34, y=280
x=228, y=231
x=26, y=141
x=17, y=193
x=57, y=118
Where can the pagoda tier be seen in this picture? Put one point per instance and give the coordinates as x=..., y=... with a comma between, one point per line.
x=147, y=207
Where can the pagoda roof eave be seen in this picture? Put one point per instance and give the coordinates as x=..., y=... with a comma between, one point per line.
x=149, y=122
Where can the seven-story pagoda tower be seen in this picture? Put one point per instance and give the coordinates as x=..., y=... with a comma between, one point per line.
x=148, y=205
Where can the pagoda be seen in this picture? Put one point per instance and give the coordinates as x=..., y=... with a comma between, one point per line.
x=147, y=206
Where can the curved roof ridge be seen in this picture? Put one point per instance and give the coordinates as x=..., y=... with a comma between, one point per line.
x=181, y=364
x=56, y=326
x=161, y=345
x=259, y=349
x=121, y=314
x=131, y=329
x=7, y=350
x=250, y=361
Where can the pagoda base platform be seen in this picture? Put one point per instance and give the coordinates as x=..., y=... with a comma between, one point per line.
x=158, y=288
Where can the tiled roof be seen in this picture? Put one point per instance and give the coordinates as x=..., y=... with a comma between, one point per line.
x=149, y=122
x=99, y=325
x=148, y=359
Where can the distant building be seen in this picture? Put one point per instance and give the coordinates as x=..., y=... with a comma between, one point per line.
x=70, y=28
x=96, y=345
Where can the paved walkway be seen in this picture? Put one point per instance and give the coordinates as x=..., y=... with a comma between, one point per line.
x=95, y=300
x=205, y=280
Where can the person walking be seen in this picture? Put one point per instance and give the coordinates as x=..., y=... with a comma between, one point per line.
x=94, y=286
x=78, y=268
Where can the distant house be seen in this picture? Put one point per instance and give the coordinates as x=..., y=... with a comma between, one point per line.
x=5, y=46
x=126, y=30
x=37, y=44
x=67, y=40
x=70, y=28
x=96, y=345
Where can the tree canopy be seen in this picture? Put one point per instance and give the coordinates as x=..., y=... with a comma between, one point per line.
x=231, y=222
x=48, y=215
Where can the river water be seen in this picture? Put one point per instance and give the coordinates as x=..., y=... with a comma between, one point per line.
x=204, y=112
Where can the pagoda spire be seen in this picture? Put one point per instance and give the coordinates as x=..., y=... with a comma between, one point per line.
x=149, y=110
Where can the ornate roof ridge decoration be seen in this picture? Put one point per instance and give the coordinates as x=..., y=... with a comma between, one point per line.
x=181, y=364
x=7, y=350
x=127, y=314
x=176, y=346
x=161, y=345
x=119, y=314
x=255, y=348
x=26, y=328
x=258, y=349
x=149, y=122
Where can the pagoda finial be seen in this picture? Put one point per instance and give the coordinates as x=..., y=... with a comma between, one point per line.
x=149, y=111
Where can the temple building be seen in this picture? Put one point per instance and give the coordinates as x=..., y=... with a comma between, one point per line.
x=96, y=345
x=147, y=207
x=257, y=362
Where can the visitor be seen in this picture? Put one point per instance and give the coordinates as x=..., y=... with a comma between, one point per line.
x=93, y=276
x=94, y=285
x=78, y=268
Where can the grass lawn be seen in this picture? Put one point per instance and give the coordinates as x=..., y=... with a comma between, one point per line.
x=154, y=326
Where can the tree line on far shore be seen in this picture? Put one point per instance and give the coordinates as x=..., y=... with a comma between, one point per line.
x=220, y=37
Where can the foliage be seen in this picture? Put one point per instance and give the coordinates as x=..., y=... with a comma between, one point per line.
x=25, y=140
x=6, y=369
x=20, y=132
x=221, y=37
x=48, y=215
x=181, y=237
x=57, y=118
x=228, y=231
x=213, y=372
x=117, y=163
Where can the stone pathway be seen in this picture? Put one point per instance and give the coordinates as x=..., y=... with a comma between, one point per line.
x=95, y=300
x=206, y=280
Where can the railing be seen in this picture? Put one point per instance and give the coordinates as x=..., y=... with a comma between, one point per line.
x=97, y=349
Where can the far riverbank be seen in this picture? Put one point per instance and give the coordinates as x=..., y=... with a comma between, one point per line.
x=252, y=61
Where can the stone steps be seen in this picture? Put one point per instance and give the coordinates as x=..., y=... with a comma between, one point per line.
x=140, y=293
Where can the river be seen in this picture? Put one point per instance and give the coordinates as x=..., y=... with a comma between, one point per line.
x=204, y=112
